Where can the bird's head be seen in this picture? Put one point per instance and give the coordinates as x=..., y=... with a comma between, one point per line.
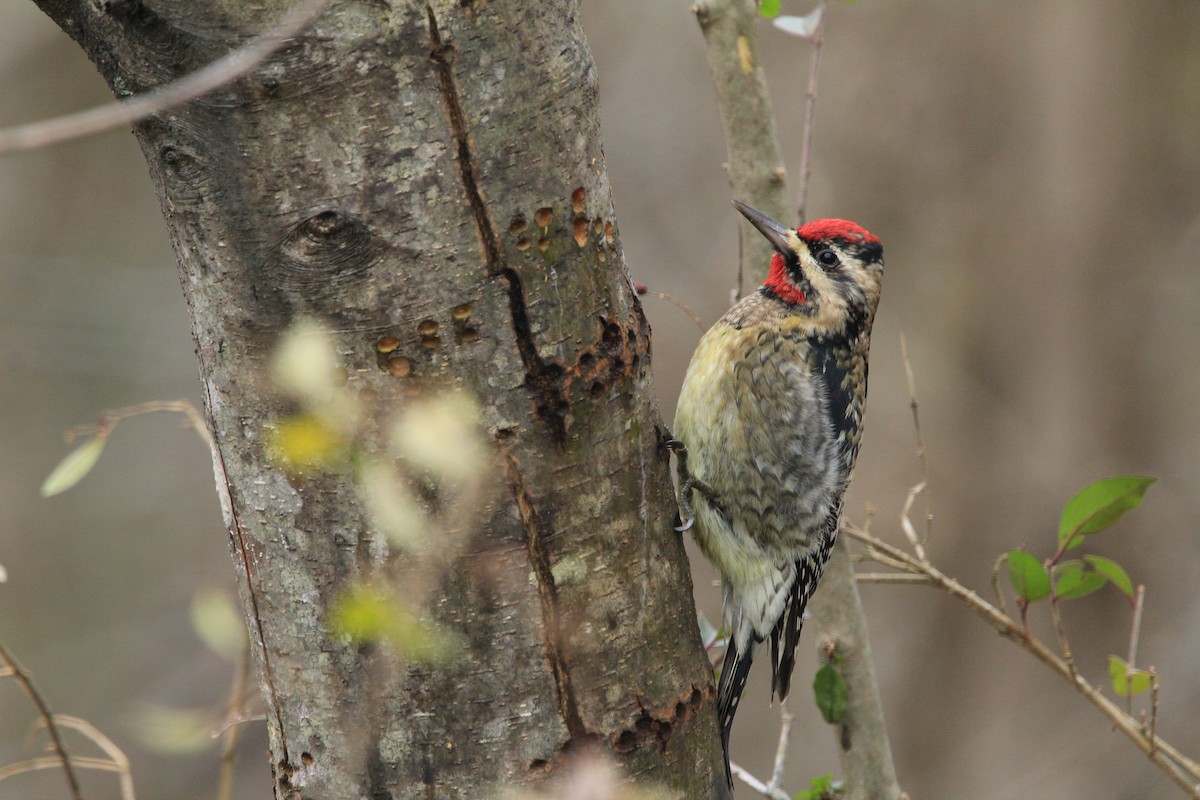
x=828, y=270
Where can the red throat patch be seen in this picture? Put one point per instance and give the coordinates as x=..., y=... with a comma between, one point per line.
x=779, y=284
x=836, y=229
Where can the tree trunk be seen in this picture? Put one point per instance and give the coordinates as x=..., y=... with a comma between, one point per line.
x=434, y=174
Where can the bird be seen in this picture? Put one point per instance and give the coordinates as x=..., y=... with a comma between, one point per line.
x=767, y=432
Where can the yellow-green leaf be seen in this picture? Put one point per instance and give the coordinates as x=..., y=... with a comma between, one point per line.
x=1114, y=572
x=70, y=470
x=218, y=624
x=1077, y=583
x=1029, y=578
x=305, y=442
x=1099, y=505
x=768, y=8
x=1126, y=681
x=178, y=731
x=370, y=614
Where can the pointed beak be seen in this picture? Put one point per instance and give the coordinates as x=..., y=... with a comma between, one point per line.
x=776, y=232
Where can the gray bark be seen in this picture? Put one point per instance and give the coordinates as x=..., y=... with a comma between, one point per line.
x=756, y=172
x=392, y=165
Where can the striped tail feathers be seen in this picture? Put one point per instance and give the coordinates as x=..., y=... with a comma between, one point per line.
x=749, y=614
x=789, y=625
x=783, y=661
x=735, y=669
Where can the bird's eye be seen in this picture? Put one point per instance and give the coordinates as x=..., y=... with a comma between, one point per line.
x=828, y=259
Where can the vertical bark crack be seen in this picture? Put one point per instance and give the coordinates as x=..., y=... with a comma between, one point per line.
x=441, y=55
x=542, y=377
x=272, y=700
x=553, y=640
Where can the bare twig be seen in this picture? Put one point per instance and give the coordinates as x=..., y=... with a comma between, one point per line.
x=109, y=420
x=118, y=762
x=810, y=103
x=1000, y=559
x=1184, y=771
x=233, y=732
x=921, y=457
x=15, y=671
x=53, y=762
x=766, y=790
x=1061, y=633
x=785, y=733
x=129, y=111
x=673, y=300
x=1134, y=632
x=906, y=524
x=889, y=577
x=1153, y=708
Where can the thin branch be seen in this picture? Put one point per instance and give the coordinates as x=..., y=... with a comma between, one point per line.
x=109, y=420
x=132, y=110
x=1184, y=771
x=233, y=732
x=818, y=38
x=1134, y=632
x=53, y=762
x=754, y=783
x=906, y=524
x=118, y=761
x=1000, y=559
x=1061, y=632
x=642, y=289
x=921, y=453
x=889, y=577
x=22, y=677
x=1153, y=707
x=785, y=733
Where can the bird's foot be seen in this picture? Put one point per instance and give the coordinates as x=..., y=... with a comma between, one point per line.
x=688, y=482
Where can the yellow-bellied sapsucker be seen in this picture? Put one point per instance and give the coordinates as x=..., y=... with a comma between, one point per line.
x=770, y=414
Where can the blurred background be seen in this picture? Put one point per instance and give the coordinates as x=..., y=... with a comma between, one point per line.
x=1032, y=169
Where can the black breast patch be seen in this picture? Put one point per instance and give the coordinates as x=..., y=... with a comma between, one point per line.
x=832, y=365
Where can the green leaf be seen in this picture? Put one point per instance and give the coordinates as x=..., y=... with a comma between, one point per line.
x=218, y=624
x=1114, y=572
x=1126, y=681
x=370, y=614
x=306, y=442
x=70, y=470
x=1099, y=505
x=818, y=789
x=831, y=693
x=769, y=8
x=1029, y=578
x=1078, y=583
x=177, y=731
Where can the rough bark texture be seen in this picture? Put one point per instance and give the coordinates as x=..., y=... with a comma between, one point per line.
x=412, y=165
